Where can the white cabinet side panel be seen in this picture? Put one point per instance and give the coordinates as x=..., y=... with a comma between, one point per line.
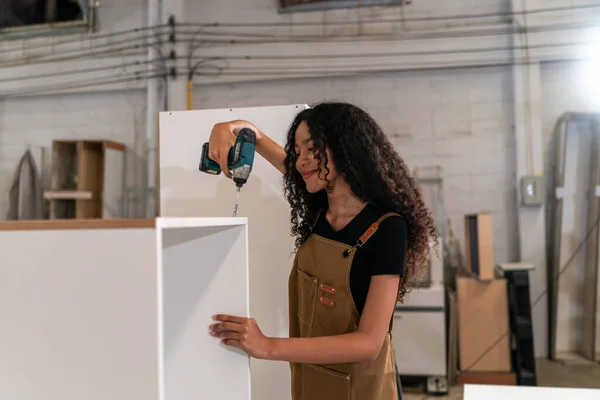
x=204, y=272
x=78, y=315
x=501, y=392
x=114, y=175
x=425, y=353
x=187, y=192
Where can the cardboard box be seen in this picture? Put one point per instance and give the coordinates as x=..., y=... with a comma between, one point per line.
x=483, y=325
x=479, y=245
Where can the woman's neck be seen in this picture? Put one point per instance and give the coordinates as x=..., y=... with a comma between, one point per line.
x=343, y=202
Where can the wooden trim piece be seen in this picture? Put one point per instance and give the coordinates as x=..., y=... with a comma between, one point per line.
x=487, y=378
x=67, y=194
x=70, y=224
x=114, y=145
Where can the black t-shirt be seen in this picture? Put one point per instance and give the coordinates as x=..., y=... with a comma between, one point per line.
x=383, y=254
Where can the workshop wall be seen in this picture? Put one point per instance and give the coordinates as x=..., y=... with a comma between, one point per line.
x=458, y=119
x=251, y=11
x=572, y=89
x=35, y=122
x=94, y=112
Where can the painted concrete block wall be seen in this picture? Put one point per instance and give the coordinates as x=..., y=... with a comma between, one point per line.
x=43, y=55
x=267, y=11
x=35, y=122
x=459, y=119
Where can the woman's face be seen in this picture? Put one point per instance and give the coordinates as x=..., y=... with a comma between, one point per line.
x=308, y=165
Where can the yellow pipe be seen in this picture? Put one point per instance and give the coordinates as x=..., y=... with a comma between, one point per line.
x=190, y=94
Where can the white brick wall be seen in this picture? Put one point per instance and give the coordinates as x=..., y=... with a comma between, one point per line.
x=461, y=119
x=567, y=87
x=35, y=122
x=458, y=119
x=266, y=11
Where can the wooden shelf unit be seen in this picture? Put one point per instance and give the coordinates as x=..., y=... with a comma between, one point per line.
x=87, y=179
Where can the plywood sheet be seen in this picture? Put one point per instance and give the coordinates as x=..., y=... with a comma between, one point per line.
x=483, y=327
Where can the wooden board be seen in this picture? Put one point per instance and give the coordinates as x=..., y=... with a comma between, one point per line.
x=452, y=318
x=487, y=378
x=483, y=329
x=71, y=224
x=187, y=192
x=479, y=245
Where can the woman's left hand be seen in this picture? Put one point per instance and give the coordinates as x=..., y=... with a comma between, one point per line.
x=242, y=333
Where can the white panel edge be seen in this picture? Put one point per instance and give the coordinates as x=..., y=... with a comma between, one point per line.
x=166, y=113
x=193, y=222
x=160, y=314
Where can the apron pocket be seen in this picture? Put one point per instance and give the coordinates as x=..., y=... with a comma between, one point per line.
x=307, y=297
x=320, y=383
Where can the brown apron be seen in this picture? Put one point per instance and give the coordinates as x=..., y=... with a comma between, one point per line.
x=321, y=304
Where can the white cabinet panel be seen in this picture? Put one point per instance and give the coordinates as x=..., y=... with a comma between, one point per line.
x=419, y=340
x=187, y=192
x=120, y=309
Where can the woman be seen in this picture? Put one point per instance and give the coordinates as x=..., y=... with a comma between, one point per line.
x=362, y=232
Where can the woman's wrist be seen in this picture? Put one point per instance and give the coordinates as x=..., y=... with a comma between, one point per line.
x=237, y=125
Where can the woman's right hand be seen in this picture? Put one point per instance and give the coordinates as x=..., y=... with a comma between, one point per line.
x=222, y=138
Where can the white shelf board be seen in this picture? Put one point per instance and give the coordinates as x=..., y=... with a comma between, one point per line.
x=502, y=392
x=198, y=222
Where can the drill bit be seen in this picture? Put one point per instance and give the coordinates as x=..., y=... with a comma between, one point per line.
x=237, y=199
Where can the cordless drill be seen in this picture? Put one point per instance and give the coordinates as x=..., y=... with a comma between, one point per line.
x=239, y=161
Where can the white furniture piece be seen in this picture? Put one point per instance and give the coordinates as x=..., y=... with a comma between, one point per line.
x=502, y=392
x=120, y=309
x=419, y=331
x=187, y=192
x=419, y=336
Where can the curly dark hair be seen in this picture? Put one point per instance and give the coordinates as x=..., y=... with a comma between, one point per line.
x=366, y=159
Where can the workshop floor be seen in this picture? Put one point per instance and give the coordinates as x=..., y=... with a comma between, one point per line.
x=550, y=373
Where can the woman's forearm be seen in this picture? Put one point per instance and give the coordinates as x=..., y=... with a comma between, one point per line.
x=271, y=151
x=347, y=348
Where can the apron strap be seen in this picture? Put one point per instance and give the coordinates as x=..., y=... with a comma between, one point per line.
x=373, y=228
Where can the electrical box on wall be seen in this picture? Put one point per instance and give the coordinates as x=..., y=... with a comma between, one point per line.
x=532, y=190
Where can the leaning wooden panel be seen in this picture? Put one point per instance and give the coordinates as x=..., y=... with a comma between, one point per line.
x=123, y=314
x=483, y=329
